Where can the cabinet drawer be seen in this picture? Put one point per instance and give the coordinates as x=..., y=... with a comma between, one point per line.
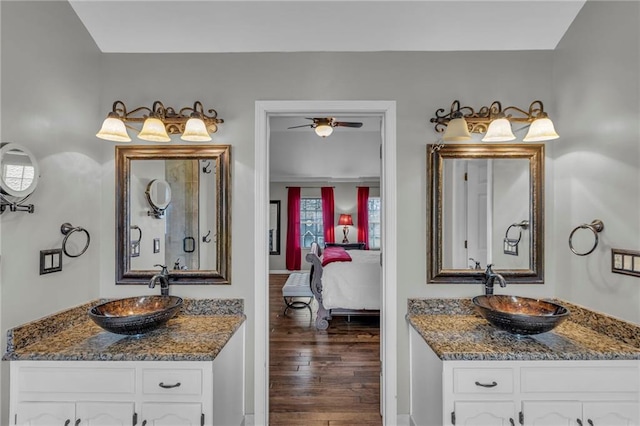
x=579, y=379
x=77, y=380
x=181, y=381
x=483, y=380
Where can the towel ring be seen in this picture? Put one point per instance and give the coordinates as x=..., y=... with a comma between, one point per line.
x=136, y=228
x=595, y=226
x=67, y=229
x=522, y=225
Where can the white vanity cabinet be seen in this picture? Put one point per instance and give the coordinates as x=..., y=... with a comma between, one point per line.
x=523, y=392
x=114, y=393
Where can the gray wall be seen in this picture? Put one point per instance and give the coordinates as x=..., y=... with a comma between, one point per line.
x=57, y=89
x=50, y=92
x=596, y=80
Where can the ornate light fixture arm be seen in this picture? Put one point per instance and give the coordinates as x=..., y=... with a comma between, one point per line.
x=478, y=122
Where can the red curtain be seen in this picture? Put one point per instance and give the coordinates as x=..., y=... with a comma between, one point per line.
x=294, y=254
x=328, y=207
x=363, y=216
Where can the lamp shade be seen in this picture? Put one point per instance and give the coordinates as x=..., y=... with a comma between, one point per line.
x=541, y=130
x=457, y=130
x=345, y=219
x=113, y=129
x=153, y=130
x=195, y=131
x=324, y=130
x=499, y=131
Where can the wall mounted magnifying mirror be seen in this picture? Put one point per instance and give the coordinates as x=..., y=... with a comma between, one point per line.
x=18, y=177
x=475, y=193
x=189, y=202
x=158, y=195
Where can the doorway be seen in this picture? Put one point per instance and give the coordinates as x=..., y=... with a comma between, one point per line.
x=388, y=322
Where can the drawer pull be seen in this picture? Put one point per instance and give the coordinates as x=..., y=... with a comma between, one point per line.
x=163, y=386
x=485, y=385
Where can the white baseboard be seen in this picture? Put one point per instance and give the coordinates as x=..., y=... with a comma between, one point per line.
x=276, y=271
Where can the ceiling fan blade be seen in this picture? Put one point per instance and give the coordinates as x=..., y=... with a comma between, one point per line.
x=347, y=124
x=303, y=125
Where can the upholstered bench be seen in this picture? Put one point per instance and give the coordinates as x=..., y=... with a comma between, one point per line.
x=297, y=286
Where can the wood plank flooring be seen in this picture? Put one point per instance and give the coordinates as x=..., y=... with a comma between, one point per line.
x=321, y=378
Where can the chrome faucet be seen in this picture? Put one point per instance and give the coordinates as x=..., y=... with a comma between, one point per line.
x=163, y=277
x=489, y=279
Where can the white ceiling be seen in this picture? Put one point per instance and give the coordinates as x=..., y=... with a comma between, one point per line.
x=306, y=25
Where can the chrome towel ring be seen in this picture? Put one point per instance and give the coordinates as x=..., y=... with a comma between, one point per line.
x=595, y=226
x=67, y=229
x=512, y=241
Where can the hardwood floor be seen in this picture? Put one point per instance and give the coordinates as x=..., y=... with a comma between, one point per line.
x=321, y=378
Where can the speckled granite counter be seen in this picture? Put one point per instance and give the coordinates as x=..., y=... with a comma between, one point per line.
x=454, y=331
x=197, y=333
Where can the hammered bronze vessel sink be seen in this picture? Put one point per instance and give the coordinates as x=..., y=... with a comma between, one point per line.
x=520, y=315
x=135, y=315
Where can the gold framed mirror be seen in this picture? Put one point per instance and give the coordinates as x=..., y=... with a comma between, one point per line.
x=485, y=205
x=192, y=237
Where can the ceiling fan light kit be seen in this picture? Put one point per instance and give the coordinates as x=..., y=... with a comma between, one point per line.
x=324, y=126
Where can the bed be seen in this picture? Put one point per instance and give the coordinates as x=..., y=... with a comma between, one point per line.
x=344, y=287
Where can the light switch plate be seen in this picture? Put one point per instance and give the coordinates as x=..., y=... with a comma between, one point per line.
x=625, y=262
x=50, y=261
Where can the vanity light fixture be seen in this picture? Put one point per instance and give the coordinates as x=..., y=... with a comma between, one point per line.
x=192, y=123
x=495, y=121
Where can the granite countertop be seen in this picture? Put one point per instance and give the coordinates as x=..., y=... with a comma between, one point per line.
x=197, y=333
x=454, y=331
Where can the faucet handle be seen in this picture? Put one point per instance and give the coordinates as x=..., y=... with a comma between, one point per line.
x=164, y=270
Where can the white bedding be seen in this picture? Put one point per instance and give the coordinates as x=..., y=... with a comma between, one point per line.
x=353, y=285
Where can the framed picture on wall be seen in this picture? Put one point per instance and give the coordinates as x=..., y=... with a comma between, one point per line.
x=274, y=227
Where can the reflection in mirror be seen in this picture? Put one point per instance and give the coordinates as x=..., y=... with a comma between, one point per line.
x=159, y=196
x=18, y=177
x=485, y=205
x=274, y=227
x=179, y=198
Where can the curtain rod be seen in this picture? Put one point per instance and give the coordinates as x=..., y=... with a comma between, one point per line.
x=309, y=187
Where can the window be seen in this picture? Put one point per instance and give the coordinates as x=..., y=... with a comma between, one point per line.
x=373, y=206
x=311, y=228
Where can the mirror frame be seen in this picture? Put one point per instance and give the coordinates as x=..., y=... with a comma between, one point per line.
x=221, y=155
x=436, y=154
x=276, y=237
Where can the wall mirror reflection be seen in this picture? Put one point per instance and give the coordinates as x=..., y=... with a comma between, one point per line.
x=485, y=206
x=274, y=227
x=173, y=209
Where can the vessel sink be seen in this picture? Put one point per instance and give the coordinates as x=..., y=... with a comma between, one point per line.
x=520, y=315
x=135, y=315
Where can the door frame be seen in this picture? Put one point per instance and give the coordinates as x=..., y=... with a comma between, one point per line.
x=388, y=315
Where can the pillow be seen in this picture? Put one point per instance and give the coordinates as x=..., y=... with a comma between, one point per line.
x=335, y=254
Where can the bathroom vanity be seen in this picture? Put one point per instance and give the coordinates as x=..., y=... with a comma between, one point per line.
x=66, y=370
x=465, y=372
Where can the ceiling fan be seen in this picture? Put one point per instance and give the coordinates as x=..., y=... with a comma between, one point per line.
x=324, y=126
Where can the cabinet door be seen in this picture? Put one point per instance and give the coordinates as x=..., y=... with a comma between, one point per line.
x=171, y=414
x=45, y=414
x=551, y=413
x=611, y=413
x=485, y=413
x=104, y=413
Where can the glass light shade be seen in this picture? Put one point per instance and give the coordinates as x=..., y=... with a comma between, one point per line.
x=323, y=130
x=541, y=130
x=153, y=130
x=499, y=131
x=195, y=131
x=113, y=130
x=457, y=130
